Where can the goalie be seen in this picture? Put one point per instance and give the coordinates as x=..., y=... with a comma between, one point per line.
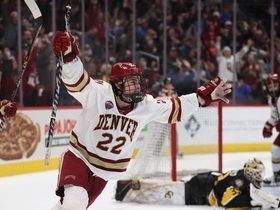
x=235, y=188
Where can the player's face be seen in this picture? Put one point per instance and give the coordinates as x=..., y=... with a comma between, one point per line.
x=132, y=84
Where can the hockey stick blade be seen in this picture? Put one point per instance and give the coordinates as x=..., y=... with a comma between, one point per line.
x=33, y=7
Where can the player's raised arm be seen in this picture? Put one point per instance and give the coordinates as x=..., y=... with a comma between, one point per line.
x=7, y=108
x=214, y=90
x=65, y=43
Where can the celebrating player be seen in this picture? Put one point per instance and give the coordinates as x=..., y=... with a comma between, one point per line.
x=7, y=108
x=235, y=188
x=273, y=92
x=114, y=113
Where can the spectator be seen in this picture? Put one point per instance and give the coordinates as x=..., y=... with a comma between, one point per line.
x=43, y=61
x=8, y=70
x=227, y=62
x=30, y=77
x=243, y=92
x=10, y=21
x=209, y=71
x=167, y=89
x=250, y=71
x=226, y=15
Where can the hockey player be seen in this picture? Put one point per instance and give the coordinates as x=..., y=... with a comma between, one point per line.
x=7, y=108
x=235, y=188
x=104, y=137
x=272, y=88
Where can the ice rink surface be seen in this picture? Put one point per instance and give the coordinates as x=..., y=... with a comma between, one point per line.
x=36, y=191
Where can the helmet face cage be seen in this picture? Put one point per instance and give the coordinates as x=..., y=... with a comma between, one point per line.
x=128, y=83
x=134, y=89
x=254, y=171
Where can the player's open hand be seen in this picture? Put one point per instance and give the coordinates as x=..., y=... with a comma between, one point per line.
x=221, y=90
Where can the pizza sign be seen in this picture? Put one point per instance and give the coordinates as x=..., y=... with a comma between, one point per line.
x=19, y=137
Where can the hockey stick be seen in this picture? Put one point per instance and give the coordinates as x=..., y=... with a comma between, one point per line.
x=56, y=92
x=34, y=9
x=275, y=99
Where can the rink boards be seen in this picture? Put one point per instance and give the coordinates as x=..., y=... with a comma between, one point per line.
x=242, y=131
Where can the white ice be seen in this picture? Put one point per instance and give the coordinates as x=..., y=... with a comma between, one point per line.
x=36, y=191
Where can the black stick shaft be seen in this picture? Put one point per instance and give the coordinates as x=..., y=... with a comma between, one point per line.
x=56, y=92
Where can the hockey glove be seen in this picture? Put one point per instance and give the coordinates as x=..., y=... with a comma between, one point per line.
x=267, y=130
x=65, y=43
x=214, y=90
x=8, y=108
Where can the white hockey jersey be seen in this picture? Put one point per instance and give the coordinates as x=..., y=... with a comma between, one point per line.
x=274, y=111
x=103, y=137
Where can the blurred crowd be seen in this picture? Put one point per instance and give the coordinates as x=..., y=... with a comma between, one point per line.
x=244, y=61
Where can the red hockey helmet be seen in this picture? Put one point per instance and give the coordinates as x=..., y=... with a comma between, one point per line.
x=273, y=85
x=120, y=75
x=121, y=70
x=272, y=78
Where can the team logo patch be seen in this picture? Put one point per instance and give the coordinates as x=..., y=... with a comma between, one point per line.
x=109, y=105
x=239, y=182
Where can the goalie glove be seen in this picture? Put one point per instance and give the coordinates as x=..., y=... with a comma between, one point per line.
x=65, y=43
x=267, y=130
x=214, y=90
x=7, y=108
x=263, y=198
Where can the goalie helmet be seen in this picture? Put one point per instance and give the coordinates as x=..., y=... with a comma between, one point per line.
x=120, y=79
x=254, y=172
x=272, y=85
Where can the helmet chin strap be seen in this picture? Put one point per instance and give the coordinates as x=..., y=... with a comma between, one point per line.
x=125, y=99
x=135, y=97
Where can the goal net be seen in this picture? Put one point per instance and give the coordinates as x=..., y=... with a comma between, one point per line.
x=170, y=152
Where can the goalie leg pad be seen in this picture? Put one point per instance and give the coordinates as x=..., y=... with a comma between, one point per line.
x=263, y=198
x=151, y=192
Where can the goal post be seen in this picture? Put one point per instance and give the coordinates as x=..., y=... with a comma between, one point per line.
x=170, y=152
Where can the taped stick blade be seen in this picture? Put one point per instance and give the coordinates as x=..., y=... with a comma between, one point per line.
x=33, y=8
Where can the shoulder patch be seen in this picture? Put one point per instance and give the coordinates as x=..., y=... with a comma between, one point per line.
x=109, y=105
x=239, y=182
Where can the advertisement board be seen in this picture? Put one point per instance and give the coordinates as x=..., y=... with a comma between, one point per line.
x=242, y=131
